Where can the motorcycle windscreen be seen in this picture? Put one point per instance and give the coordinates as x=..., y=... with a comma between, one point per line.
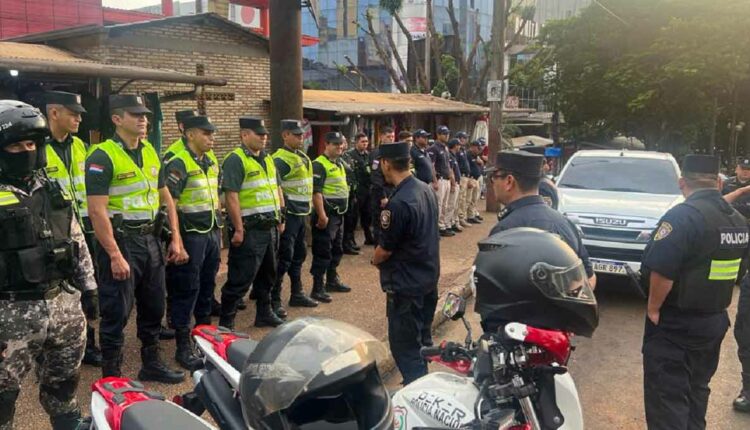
x=303, y=356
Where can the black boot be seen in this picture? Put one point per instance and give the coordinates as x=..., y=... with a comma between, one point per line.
x=205, y=320
x=265, y=317
x=276, y=301
x=319, y=290
x=298, y=297
x=92, y=356
x=742, y=402
x=242, y=305
x=69, y=421
x=349, y=249
x=111, y=362
x=154, y=369
x=228, y=312
x=166, y=333
x=369, y=240
x=333, y=283
x=184, y=352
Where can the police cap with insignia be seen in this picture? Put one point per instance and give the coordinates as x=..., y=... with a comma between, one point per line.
x=394, y=151
x=744, y=163
x=293, y=126
x=181, y=115
x=534, y=149
x=462, y=135
x=334, y=137
x=701, y=164
x=476, y=143
x=71, y=101
x=453, y=143
x=443, y=130
x=255, y=124
x=198, y=121
x=519, y=163
x=421, y=133
x=130, y=103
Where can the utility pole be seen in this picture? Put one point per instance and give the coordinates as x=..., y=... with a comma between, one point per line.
x=497, y=71
x=286, y=64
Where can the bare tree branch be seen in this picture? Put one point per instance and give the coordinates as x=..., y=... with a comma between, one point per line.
x=458, y=54
x=421, y=76
x=370, y=31
x=360, y=73
x=344, y=72
x=517, y=34
x=397, y=56
x=435, y=42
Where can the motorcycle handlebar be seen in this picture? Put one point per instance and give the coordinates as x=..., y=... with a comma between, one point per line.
x=430, y=351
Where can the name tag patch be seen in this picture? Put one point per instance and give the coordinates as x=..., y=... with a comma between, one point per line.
x=251, y=174
x=195, y=172
x=126, y=175
x=734, y=237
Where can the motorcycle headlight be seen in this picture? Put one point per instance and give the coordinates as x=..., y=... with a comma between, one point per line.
x=644, y=236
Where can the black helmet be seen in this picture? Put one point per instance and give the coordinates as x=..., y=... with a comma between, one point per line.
x=315, y=373
x=533, y=277
x=20, y=121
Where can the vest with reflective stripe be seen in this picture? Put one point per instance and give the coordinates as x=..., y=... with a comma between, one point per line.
x=178, y=145
x=298, y=183
x=199, y=200
x=134, y=191
x=258, y=195
x=73, y=180
x=335, y=188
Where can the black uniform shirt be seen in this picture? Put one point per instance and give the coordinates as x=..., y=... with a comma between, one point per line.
x=409, y=229
x=99, y=178
x=233, y=171
x=742, y=204
x=532, y=211
x=62, y=149
x=475, y=171
x=378, y=187
x=463, y=162
x=440, y=158
x=548, y=191
x=453, y=162
x=422, y=164
x=361, y=165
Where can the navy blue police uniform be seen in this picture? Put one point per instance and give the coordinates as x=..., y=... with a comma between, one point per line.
x=421, y=160
x=699, y=245
x=379, y=190
x=409, y=230
x=547, y=188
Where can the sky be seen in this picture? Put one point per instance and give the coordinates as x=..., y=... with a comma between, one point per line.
x=129, y=4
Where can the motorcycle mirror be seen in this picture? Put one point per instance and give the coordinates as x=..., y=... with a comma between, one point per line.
x=454, y=307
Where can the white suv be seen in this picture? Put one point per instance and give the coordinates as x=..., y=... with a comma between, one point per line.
x=616, y=198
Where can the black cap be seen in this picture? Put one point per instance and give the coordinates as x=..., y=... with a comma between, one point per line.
x=198, y=121
x=421, y=133
x=130, y=103
x=743, y=163
x=482, y=141
x=520, y=163
x=462, y=134
x=533, y=149
x=255, y=124
x=69, y=100
x=453, y=143
x=443, y=130
x=705, y=164
x=292, y=125
x=394, y=151
x=334, y=137
x=476, y=143
x=181, y=115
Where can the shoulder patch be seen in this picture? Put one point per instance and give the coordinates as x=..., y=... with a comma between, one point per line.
x=385, y=219
x=664, y=230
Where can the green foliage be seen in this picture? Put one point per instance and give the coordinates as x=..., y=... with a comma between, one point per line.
x=392, y=6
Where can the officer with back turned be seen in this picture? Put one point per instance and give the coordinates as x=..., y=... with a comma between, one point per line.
x=408, y=257
x=379, y=189
x=691, y=263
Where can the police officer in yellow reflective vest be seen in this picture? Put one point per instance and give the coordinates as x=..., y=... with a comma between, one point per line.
x=66, y=158
x=193, y=180
x=330, y=201
x=295, y=171
x=125, y=190
x=255, y=206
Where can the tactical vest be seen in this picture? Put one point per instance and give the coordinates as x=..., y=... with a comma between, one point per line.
x=335, y=188
x=258, y=195
x=198, y=204
x=134, y=191
x=705, y=283
x=72, y=181
x=298, y=183
x=36, y=251
x=178, y=145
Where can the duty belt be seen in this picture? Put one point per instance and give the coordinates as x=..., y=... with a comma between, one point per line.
x=255, y=222
x=26, y=295
x=138, y=230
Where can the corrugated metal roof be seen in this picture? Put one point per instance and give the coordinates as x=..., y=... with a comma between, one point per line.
x=363, y=103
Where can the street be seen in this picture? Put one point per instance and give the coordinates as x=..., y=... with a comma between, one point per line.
x=608, y=370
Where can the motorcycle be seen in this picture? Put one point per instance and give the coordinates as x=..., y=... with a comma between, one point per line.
x=514, y=379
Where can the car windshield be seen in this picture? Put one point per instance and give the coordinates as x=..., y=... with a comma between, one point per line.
x=626, y=174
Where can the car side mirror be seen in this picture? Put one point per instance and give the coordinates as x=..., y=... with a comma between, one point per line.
x=454, y=307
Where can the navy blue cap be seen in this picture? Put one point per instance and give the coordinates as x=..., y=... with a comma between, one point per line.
x=421, y=133
x=180, y=115
x=71, y=101
x=334, y=137
x=462, y=135
x=198, y=121
x=443, y=130
x=744, y=162
x=519, y=163
x=394, y=151
x=292, y=125
x=476, y=143
x=130, y=103
x=453, y=143
x=702, y=164
x=252, y=123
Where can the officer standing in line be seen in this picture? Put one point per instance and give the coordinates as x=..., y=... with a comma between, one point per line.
x=446, y=181
x=423, y=168
x=736, y=191
x=255, y=205
x=295, y=171
x=692, y=263
x=379, y=189
x=41, y=323
x=476, y=167
x=406, y=136
x=451, y=212
x=125, y=190
x=330, y=198
x=193, y=180
x=66, y=159
x=179, y=144
x=350, y=217
x=408, y=257
x=465, y=184
x=361, y=163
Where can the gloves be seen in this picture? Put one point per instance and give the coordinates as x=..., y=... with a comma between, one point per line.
x=90, y=304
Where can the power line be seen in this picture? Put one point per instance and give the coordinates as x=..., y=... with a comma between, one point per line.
x=611, y=13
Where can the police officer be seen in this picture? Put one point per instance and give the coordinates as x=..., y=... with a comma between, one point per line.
x=255, y=205
x=465, y=184
x=125, y=190
x=406, y=136
x=476, y=166
x=295, y=171
x=736, y=191
x=66, y=158
x=350, y=217
x=547, y=188
x=423, y=168
x=330, y=198
x=515, y=178
x=379, y=189
x=41, y=323
x=446, y=180
x=451, y=212
x=179, y=144
x=691, y=263
x=408, y=257
x=193, y=180
x=359, y=157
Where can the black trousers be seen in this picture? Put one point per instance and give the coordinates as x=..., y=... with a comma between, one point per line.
x=375, y=217
x=144, y=288
x=327, y=243
x=409, y=328
x=292, y=247
x=350, y=219
x=194, y=281
x=254, y=263
x=680, y=356
x=742, y=332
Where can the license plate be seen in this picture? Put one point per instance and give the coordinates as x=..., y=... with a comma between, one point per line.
x=609, y=267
